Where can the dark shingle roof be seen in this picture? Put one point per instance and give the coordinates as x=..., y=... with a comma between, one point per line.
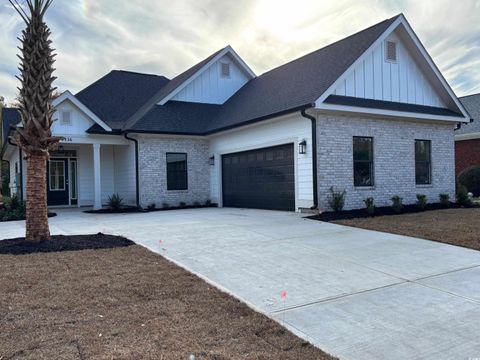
x=472, y=104
x=118, y=95
x=10, y=116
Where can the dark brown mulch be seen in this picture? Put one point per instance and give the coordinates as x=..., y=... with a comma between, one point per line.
x=128, y=303
x=379, y=211
x=459, y=226
x=58, y=243
x=50, y=215
x=133, y=209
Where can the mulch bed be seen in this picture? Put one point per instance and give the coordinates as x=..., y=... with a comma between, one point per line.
x=58, y=243
x=379, y=211
x=460, y=226
x=134, y=209
x=128, y=303
x=50, y=215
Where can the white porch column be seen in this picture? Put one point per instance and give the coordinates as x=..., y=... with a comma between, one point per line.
x=97, y=204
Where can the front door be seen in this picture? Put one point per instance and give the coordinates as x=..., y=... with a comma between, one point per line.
x=57, y=182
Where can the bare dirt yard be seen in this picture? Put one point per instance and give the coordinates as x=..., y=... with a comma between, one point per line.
x=127, y=303
x=460, y=226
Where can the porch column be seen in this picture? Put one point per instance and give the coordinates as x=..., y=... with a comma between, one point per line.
x=97, y=204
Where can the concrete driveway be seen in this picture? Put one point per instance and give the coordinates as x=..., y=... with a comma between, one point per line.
x=355, y=293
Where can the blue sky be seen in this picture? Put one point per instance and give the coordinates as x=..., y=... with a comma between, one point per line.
x=166, y=37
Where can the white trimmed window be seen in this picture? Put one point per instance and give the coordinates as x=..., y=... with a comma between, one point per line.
x=390, y=51
x=225, y=70
x=66, y=117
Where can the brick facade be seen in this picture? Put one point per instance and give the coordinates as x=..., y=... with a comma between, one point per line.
x=394, y=159
x=467, y=154
x=153, y=176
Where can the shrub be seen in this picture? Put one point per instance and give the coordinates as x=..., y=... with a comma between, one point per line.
x=421, y=201
x=115, y=202
x=183, y=204
x=151, y=207
x=196, y=204
x=444, y=199
x=397, y=204
x=369, y=205
x=462, y=196
x=14, y=209
x=165, y=205
x=337, y=199
x=470, y=178
x=208, y=202
x=5, y=187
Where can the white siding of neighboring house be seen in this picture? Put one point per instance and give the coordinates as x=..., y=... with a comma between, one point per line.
x=376, y=78
x=210, y=87
x=124, y=172
x=284, y=130
x=13, y=159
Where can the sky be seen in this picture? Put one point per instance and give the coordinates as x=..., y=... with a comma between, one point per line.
x=163, y=37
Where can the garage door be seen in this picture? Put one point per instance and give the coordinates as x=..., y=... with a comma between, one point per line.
x=261, y=178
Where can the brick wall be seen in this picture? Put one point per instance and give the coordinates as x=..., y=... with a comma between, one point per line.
x=394, y=159
x=467, y=154
x=153, y=176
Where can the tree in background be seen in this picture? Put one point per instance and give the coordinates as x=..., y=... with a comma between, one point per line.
x=34, y=136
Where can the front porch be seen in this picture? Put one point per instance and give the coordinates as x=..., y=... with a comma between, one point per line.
x=87, y=173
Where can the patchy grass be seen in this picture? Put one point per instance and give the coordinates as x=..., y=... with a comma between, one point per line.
x=128, y=303
x=459, y=226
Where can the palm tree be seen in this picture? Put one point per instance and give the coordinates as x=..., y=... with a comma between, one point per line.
x=34, y=136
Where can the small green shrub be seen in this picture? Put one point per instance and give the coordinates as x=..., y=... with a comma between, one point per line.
x=115, y=202
x=151, y=207
x=462, y=196
x=165, y=205
x=470, y=178
x=397, y=204
x=444, y=199
x=183, y=204
x=336, y=199
x=421, y=201
x=14, y=209
x=208, y=202
x=369, y=205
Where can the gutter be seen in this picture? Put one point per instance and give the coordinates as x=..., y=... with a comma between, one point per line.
x=137, y=179
x=314, y=154
x=20, y=166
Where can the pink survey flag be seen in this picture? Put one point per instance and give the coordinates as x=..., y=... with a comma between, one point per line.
x=160, y=241
x=284, y=295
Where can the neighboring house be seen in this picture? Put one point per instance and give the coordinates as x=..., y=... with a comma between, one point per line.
x=467, y=137
x=370, y=114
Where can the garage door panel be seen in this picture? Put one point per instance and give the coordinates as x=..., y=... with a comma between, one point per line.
x=262, y=178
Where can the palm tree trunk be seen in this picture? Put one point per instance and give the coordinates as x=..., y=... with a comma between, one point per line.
x=36, y=212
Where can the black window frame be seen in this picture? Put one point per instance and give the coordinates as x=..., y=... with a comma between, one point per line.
x=371, y=162
x=423, y=162
x=176, y=186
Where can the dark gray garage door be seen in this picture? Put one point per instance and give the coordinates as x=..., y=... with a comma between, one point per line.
x=261, y=178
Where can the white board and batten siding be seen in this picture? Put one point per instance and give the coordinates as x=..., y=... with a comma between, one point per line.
x=279, y=131
x=211, y=87
x=398, y=81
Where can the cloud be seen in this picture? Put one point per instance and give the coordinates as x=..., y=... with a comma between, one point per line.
x=167, y=37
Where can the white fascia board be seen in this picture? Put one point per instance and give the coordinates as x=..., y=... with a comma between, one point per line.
x=67, y=95
x=471, y=136
x=401, y=20
x=388, y=113
x=227, y=49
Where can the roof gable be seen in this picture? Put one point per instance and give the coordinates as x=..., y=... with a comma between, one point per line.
x=413, y=79
x=472, y=104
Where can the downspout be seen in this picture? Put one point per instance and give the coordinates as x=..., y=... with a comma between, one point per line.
x=20, y=163
x=137, y=179
x=314, y=155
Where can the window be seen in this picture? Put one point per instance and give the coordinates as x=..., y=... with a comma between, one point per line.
x=423, y=162
x=391, y=51
x=176, y=171
x=66, y=118
x=225, y=70
x=57, y=175
x=362, y=161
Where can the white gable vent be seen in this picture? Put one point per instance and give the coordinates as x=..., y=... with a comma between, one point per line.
x=391, y=51
x=225, y=70
x=66, y=118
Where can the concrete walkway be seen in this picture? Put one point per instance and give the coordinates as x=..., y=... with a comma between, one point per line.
x=355, y=293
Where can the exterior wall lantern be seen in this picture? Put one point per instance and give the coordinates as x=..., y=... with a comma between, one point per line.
x=302, y=147
x=211, y=160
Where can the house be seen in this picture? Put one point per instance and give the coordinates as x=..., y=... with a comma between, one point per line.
x=370, y=114
x=467, y=137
